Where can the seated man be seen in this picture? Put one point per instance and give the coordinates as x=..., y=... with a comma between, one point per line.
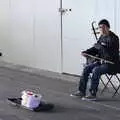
x=107, y=47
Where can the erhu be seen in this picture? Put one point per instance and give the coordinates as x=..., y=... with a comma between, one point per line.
x=95, y=32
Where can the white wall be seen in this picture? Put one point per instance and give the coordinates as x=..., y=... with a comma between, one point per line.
x=30, y=30
x=30, y=33
x=117, y=18
x=106, y=9
x=77, y=34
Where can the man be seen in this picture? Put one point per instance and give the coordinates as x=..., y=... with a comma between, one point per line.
x=107, y=47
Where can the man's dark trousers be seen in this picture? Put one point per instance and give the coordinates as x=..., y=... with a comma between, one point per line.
x=97, y=69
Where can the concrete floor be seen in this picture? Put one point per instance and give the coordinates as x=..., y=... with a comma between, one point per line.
x=55, y=90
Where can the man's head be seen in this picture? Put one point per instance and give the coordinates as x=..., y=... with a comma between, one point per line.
x=104, y=27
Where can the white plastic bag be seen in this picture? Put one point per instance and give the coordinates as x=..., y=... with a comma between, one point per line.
x=30, y=99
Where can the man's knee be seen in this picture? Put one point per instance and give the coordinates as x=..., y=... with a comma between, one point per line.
x=86, y=69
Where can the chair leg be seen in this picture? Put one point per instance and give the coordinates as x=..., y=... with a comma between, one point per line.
x=113, y=86
x=102, y=82
x=117, y=87
x=105, y=85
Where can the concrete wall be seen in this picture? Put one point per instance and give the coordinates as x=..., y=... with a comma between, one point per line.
x=30, y=33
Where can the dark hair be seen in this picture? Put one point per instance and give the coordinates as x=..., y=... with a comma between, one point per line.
x=105, y=22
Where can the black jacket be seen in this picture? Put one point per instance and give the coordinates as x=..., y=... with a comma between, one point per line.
x=107, y=47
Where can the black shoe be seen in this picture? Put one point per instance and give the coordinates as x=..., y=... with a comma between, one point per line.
x=78, y=94
x=90, y=97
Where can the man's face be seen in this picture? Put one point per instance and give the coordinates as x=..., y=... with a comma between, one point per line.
x=103, y=29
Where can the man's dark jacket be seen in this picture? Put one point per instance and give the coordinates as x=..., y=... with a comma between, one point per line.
x=107, y=47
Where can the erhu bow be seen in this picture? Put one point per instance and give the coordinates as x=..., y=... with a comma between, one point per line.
x=94, y=32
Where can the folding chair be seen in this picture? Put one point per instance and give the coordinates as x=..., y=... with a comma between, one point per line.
x=109, y=80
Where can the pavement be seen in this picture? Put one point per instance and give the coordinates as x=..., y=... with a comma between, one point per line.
x=55, y=88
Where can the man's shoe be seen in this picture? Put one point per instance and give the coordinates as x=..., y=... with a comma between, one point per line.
x=78, y=94
x=90, y=97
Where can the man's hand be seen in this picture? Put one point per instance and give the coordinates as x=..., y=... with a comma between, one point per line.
x=102, y=43
x=84, y=54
